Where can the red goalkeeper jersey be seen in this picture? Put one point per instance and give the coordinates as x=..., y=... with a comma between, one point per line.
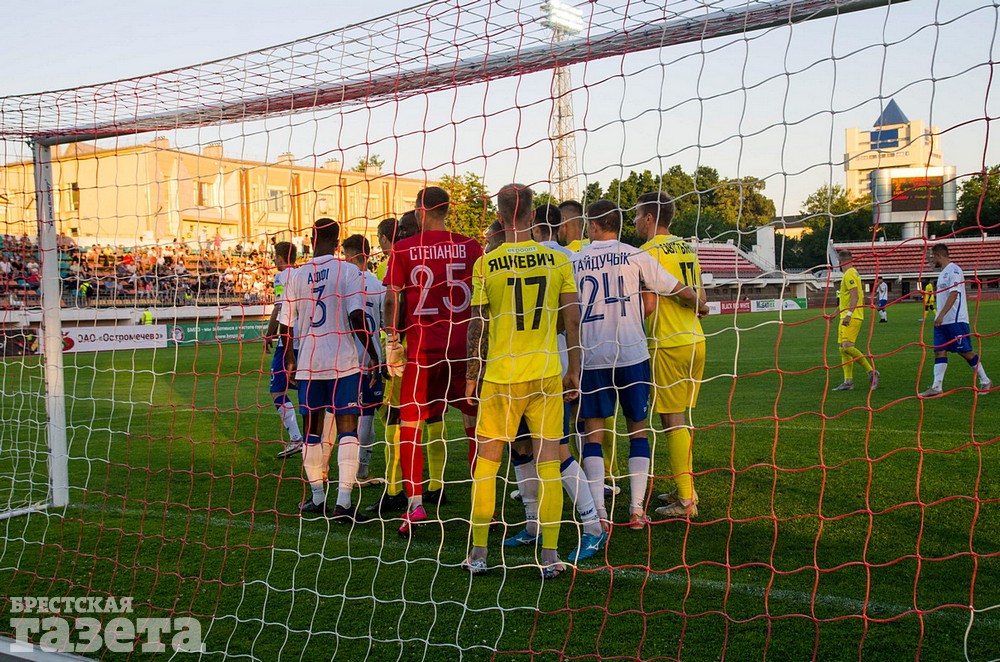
x=434, y=271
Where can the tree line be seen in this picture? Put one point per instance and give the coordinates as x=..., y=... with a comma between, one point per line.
x=711, y=207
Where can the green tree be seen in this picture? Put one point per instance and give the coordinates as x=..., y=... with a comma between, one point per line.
x=365, y=162
x=835, y=215
x=679, y=185
x=741, y=203
x=545, y=198
x=591, y=193
x=472, y=206
x=978, y=205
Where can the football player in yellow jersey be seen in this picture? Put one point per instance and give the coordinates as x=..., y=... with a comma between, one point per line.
x=852, y=314
x=929, y=302
x=519, y=290
x=677, y=347
x=570, y=232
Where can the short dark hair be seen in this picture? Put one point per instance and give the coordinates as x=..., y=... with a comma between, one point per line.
x=659, y=204
x=327, y=230
x=434, y=200
x=286, y=251
x=408, y=226
x=514, y=201
x=843, y=253
x=571, y=205
x=940, y=249
x=387, y=229
x=495, y=233
x=606, y=215
x=358, y=245
x=548, y=216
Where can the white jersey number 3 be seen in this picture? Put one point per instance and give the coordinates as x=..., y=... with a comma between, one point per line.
x=423, y=277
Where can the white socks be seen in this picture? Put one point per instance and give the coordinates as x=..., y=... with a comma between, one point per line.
x=593, y=468
x=315, y=459
x=348, y=450
x=575, y=484
x=527, y=484
x=939, y=370
x=290, y=420
x=638, y=478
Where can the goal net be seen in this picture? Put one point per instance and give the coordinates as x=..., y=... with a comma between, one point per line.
x=147, y=455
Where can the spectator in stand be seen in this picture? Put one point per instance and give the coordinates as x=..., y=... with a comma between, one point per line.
x=306, y=246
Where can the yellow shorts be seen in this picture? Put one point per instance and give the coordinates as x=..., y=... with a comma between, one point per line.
x=848, y=333
x=677, y=375
x=539, y=401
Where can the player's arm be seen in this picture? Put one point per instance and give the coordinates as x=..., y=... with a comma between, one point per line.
x=272, y=327
x=659, y=280
x=952, y=298
x=477, y=347
x=363, y=334
x=569, y=304
x=391, y=312
x=648, y=303
x=285, y=319
x=852, y=303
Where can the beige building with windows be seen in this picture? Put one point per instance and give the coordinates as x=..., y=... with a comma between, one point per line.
x=152, y=193
x=893, y=142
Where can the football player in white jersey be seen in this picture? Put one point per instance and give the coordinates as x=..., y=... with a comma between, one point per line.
x=284, y=262
x=610, y=276
x=951, y=326
x=357, y=251
x=882, y=298
x=325, y=304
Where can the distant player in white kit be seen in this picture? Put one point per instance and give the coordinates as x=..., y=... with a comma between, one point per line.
x=284, y=262
x=882, y=295
x=324, y=309
x=951, y=326
x=610, y=276
x=357, y=250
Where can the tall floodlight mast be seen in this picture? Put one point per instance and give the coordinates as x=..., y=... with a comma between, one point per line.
x=564, y=20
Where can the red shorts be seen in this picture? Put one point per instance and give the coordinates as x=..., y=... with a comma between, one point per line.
x=430, y=385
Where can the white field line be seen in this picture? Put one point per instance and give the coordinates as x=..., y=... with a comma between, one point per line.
x=875, y=609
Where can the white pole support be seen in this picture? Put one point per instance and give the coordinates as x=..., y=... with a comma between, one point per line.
x=52, y=347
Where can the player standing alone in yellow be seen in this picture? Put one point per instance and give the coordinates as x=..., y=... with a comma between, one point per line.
x=852, y=314
x=677, y=347
x=929, y=302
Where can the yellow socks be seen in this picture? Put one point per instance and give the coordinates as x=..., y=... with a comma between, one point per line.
x=681, y=461
x=550, y=502
x=393, y=474
x=484, y=498
x=850, y=355
x=437, y=453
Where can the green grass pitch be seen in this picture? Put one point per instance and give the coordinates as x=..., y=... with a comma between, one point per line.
x=835, y=526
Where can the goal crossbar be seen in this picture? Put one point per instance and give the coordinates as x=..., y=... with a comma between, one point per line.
x=416, y=74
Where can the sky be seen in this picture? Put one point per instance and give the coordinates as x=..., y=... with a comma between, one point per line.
x=773, y=104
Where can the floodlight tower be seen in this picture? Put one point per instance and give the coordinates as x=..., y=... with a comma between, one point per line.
x=564, y=20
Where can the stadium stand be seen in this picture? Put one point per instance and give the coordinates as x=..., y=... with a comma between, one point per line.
x=143, y=276
x=909, y=258
x=725, y=261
